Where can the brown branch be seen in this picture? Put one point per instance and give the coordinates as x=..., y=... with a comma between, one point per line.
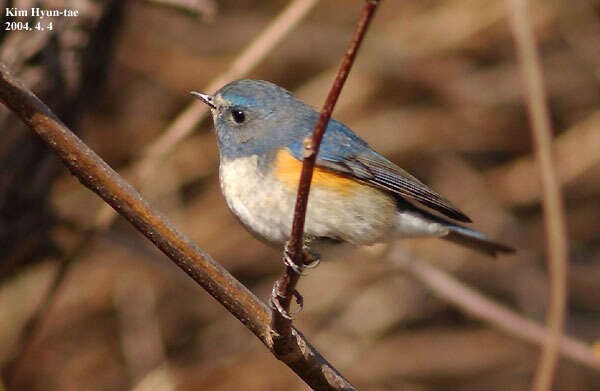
x=285, y=285
x=95, y=174
x=471, y=301
x=554, y=218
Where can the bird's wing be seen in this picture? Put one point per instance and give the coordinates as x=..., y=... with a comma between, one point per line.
x=344, y=153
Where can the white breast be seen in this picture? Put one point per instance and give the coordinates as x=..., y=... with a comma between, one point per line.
x=262, y=205
x=265, y=206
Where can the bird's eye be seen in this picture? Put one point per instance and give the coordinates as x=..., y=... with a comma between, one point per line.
x=238, y=116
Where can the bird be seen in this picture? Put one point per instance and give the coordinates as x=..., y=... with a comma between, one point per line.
x=357, y=195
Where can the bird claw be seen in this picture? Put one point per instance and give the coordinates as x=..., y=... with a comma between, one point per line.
x=311, y=259
x=276, y=304
x=289, y=262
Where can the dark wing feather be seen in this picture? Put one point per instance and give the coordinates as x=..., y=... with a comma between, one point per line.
x=345, y=153
x=379, y=172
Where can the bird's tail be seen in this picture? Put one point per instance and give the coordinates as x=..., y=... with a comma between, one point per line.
x=455, y=233
x=475, y=240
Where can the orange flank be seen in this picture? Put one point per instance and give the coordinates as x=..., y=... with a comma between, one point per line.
x=288, y=168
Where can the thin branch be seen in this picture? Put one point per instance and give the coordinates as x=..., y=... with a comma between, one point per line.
x=285, y=285
x=95, y=174
x=448, y=288
x=554, y=219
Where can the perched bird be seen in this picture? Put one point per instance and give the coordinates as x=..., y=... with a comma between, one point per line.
x=357, y=195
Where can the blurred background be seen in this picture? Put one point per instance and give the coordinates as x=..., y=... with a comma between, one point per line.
x=435, y=88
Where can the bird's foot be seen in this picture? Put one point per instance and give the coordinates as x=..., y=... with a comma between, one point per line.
x=310, y=259
x=277, y=295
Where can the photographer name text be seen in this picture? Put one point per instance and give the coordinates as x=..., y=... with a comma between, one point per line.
x=41, y=13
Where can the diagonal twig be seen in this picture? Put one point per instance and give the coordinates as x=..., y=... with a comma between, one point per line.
x=95, y=174
x=284, y=287
x=554, y=217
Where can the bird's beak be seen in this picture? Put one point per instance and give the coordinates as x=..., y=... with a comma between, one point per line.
x=204, y=98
